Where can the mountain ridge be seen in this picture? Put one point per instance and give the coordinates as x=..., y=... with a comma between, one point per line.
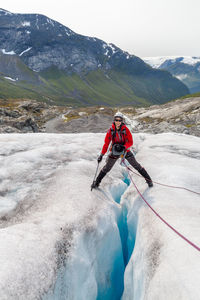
x=185, y=68
x=41, y=44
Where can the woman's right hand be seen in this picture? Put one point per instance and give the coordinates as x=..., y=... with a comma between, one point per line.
x=99, y=159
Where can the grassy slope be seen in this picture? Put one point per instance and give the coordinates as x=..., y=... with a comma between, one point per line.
x=191, y=95
x=96, y=87
x=192, y=81
x=9, y=89
x=91, y=89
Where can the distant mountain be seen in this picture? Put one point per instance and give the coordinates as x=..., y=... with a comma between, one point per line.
x=185, y=68
x=42, y=59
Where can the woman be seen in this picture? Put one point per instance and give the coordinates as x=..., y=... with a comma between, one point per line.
x=122, y=140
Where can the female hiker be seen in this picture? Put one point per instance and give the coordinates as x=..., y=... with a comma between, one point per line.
x=121, y=140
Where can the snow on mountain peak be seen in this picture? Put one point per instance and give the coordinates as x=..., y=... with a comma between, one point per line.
x=113, y=48
x=157, y=61
x=191, y=60
x=4, y=12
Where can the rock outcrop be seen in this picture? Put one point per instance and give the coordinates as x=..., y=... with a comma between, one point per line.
x=25, y=116
x=182, y=116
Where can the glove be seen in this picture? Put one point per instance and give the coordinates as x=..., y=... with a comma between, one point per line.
x=99, y=159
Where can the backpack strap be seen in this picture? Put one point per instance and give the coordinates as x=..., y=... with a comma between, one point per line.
x=113, y=133
x=123, y=131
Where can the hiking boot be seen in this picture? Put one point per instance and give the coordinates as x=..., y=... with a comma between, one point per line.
x=146, y=176
x=150, y=183
x=96, y=182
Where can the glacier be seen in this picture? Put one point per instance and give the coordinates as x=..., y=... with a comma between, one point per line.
x=59, y=240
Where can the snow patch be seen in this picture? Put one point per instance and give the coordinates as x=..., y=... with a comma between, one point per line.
x=106, y=53
x=36, y=23
x=25, y=51
x=9, y=78
x=67, y=32
x=181, y=76
x=8, y=53
x=26, y=23
x=50, y=22
x=82, y=113
x=112, y=48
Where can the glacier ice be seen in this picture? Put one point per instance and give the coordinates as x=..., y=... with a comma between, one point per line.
x=59, y=240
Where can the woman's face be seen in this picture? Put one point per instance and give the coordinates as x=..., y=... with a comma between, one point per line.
x=118, y=122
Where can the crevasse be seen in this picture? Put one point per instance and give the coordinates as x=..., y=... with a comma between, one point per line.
x=96, y=268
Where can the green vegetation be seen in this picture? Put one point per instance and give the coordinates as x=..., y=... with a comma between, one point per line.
x=191, y=95
x=190, y=125
x=9, y=89
x=191, y=78
x=113, y=88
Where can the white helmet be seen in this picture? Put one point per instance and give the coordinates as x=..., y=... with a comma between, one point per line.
x=119, y=114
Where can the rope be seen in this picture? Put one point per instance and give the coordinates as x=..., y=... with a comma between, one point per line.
x=178, y=233
x=171, y=186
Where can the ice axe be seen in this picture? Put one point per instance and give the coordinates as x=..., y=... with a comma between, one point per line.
x=95, y=175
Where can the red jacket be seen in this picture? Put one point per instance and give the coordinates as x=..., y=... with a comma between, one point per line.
x=123, y=137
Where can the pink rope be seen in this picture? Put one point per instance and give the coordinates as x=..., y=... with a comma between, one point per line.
x=171, y=186
x=178, y=233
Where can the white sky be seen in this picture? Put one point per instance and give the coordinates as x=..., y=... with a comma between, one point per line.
x=141, y=27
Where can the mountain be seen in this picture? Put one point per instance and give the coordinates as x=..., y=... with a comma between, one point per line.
x=44, y=60
x=185, y=68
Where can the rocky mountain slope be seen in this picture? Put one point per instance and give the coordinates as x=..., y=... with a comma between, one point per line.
x=185, y=68
x=182, y=115
x=42, y=59
x=26, y=115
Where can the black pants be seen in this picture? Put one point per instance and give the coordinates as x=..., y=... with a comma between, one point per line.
x=111, y=160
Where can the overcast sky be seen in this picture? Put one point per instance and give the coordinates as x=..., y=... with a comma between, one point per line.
x=141, y=27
